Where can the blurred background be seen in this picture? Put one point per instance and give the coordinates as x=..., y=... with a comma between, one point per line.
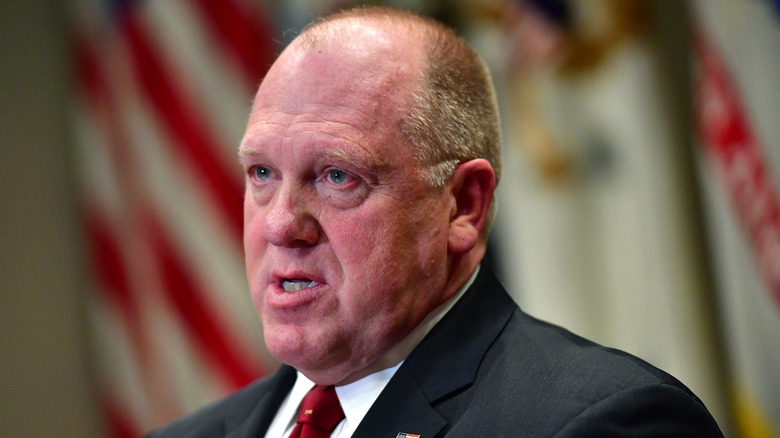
x=639, y=204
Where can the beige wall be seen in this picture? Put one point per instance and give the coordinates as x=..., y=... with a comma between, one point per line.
x=44, y=384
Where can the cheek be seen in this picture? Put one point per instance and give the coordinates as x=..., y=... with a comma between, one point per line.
x=254, y=239
x=358, y=238
x=383, y=249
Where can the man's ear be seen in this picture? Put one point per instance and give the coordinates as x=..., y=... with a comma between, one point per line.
x=472, y=190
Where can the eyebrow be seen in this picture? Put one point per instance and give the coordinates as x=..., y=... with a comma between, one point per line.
x=245, y=153
x=365, y=161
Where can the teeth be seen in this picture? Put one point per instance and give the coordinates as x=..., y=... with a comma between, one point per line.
x=297, y=285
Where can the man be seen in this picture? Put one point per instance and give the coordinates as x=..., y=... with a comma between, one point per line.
x=371, y=156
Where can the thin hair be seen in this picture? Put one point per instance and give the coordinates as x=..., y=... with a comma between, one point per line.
x=453, y=116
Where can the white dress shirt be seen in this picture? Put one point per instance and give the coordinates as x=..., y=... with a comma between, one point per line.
x=357, y=398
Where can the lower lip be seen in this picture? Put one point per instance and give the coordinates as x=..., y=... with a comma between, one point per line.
x=278, y=298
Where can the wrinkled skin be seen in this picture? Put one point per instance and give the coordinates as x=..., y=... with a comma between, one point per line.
x=335, y=201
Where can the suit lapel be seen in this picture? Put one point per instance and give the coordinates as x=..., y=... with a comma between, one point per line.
x=442, y=366
x=402, y=407
x=256, y=423
x=448, y=358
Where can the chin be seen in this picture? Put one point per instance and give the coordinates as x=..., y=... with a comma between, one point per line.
x=285, y=344
x=291, y=347
x=320, y=366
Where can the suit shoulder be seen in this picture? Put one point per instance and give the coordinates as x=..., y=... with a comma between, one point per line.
x=552, y=378
x=648, y=410
x=211, y=420
x=551, y=350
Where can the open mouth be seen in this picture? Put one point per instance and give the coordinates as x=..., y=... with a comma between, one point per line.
x=297, y=284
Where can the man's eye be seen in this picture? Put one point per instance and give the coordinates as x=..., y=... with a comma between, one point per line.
x=337, y=176
x=260, y=173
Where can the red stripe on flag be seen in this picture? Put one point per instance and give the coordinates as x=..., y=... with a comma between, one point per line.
x=186, y=297
x=103, y=244
x=118, y=423
x=108, y=264
x=245, y=35
x=91, y=76
x=726, y=134
x=191, y=137
x=106, y=259
x=88, y=73
x=111, y=272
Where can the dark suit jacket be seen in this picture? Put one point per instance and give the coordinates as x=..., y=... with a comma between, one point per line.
x=489, y=370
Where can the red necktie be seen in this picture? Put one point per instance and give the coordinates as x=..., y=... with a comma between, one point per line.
x=320, y=414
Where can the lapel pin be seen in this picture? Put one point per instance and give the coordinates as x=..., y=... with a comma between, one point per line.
x=406, y=435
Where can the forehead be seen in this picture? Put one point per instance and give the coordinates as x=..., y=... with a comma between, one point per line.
x=366, y=77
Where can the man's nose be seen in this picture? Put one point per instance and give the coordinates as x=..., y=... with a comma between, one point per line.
x=288, y=222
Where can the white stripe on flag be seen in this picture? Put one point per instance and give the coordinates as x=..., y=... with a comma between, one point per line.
x=212, y=80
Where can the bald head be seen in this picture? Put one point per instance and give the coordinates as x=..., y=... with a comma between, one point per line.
x=351, y=25
x=451, y=114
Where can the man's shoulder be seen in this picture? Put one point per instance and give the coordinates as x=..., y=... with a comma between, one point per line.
x=539, y=347
x=216, y=418
x=557, y=381
x=521, y=345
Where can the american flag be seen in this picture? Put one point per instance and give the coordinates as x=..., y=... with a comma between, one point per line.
x=162, y=92
x=736, y=106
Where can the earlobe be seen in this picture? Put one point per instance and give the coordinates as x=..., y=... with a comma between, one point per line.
x=472, y=190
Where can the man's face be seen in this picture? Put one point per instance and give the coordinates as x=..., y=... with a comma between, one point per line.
x=346, y=245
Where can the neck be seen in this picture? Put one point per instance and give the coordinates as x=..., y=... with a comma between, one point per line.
x=461, y=267
x=401, y=350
